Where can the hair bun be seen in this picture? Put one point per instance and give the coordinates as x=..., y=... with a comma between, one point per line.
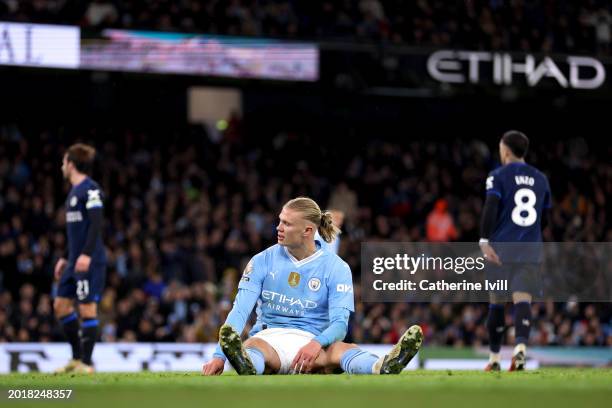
x=326, y=219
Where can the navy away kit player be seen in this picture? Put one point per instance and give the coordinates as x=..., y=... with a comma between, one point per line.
x=82, y=274
x=517, y=196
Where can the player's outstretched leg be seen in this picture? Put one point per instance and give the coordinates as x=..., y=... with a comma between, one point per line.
x=401, y=354
x=353, y=360
x=232, y=347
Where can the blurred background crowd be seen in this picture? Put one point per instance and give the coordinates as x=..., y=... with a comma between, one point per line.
x=187, y=205
x=184, y=215
x=525, y=25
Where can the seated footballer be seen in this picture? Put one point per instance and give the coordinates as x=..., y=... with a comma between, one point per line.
x=304, y=297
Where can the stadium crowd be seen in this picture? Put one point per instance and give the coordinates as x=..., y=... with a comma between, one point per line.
x=527, y=25
x=183, y=216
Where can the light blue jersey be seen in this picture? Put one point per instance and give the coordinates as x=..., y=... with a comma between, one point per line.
x=333, y=246
x=298, y=294
x=314, y=294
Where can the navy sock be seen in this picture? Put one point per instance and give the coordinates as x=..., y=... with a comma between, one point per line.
x=522, y=322
x=495, y=325
x=70, y=325
x=89, y=334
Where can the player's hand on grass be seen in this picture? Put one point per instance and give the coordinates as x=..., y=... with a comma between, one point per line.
x=213, y=367
x=305, y=358
x=60, y=265
x=82, y=263
x=489, y=253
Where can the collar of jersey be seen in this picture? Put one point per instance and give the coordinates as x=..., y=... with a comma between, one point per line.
x=82, y=181
x=304, y=261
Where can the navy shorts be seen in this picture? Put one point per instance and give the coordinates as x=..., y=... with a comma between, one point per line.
x=521, y=277
x=86, y=287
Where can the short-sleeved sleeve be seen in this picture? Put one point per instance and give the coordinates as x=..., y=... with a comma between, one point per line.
x=341, y=287
x=254, y=274
x=94, y=198
x=493, y=185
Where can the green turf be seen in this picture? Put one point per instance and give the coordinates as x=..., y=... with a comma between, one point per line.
x=542, y=388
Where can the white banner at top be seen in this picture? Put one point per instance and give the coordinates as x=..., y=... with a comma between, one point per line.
x=39, y=45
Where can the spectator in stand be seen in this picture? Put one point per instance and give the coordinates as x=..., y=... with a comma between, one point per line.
x=187, y=210
x=440, y=226
x=512, y=25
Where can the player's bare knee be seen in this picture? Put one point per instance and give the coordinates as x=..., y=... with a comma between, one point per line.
x=260, y=345
x=323, y=363
x=340, y=347
x=254, y=342
x=336, y=350
x=62, y=307
x=271, y=358
x=88, y=310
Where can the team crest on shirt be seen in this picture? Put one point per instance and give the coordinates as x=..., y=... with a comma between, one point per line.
x=314, y=284
x=73, y=201
x=294, y=279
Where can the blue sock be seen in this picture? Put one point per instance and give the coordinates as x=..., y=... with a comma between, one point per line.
x=257, y=359
x=357, y=361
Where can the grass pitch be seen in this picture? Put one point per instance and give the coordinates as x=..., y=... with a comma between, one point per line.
x=542, y=388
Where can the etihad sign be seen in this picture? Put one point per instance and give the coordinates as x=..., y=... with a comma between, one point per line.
x=476, y=67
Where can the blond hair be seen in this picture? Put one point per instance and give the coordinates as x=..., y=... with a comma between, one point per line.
x=311, y=212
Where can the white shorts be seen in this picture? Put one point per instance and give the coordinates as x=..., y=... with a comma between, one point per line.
x=286, y=343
